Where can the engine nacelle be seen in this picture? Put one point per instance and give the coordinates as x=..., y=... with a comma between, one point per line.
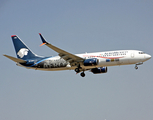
x=99, y=70
x=91, y=62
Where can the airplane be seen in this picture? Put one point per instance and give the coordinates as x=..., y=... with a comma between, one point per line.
x=96, y=62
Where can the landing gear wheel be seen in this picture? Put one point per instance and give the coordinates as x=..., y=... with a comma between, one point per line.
x=136, y=67
x=77, y=70
x=140, y=63
x=82, y=74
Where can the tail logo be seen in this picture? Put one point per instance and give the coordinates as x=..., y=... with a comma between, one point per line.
x=22, y=52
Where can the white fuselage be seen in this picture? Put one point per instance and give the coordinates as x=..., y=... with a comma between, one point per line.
x=108, y=58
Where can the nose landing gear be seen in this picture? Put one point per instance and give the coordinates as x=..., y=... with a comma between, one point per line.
x=136, y=65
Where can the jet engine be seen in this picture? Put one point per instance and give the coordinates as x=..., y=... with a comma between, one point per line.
x=90, y=62
x=99, y=70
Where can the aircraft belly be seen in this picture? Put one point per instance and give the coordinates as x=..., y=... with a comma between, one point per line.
x=52, y=69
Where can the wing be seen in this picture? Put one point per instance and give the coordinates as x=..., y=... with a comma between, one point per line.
x=71, y=58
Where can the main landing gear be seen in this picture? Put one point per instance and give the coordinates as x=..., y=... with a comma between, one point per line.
x=136, y=65
x=82, y=74
x=78, y=69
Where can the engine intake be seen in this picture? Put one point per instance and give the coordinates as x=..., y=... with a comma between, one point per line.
x=91, y=62
x=99, y=70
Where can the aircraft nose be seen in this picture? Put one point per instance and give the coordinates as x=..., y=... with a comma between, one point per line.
x=148, y=56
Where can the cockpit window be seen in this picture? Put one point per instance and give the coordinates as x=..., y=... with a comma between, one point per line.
x=141, y=52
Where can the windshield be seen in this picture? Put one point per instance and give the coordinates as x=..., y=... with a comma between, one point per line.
x=141, y=52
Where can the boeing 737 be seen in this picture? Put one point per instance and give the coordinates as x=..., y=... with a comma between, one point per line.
x=96, y=62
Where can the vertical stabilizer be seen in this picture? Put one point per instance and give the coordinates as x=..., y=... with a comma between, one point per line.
x=22, y=51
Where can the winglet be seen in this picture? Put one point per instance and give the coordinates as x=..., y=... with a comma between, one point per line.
x=43, y=40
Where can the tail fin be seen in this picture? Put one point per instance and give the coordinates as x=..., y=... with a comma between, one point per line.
x=22, y=51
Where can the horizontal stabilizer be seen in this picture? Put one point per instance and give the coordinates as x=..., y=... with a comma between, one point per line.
x=15, y=59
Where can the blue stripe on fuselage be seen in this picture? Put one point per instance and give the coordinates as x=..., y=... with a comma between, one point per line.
x=41, y=61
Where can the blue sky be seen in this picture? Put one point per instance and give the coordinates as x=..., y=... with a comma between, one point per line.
x=77, y=27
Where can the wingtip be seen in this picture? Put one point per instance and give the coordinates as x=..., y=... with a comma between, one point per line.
x=39, y=33
x=13, y=36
